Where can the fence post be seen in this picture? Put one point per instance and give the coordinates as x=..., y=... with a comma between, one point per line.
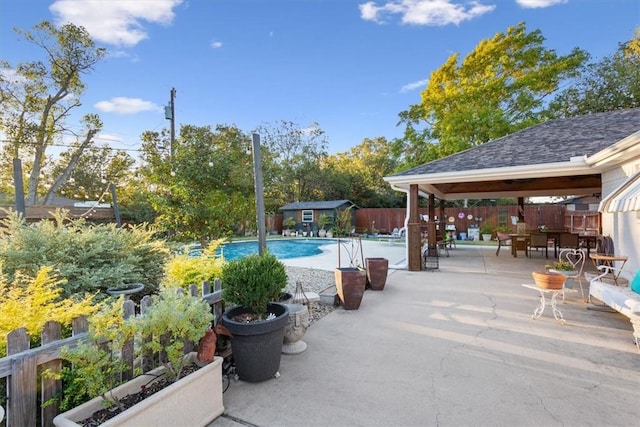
x=51, y=332
x=147, y=357
x=127, y=349
x=22, y=407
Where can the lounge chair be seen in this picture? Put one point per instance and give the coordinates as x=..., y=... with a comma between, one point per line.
x=396, y=235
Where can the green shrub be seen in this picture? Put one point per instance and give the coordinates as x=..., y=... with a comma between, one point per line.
x=253, y=281
x=88, y=257
x=174, y=318
x=182, y=270
x=95, y=366
x=289, y=223
x=30, y=302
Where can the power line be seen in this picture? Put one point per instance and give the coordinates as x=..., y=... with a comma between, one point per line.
x=73, y=146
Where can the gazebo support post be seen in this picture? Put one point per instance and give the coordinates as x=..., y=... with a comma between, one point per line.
x=413, y=231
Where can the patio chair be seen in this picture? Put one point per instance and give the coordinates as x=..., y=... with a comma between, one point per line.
x=539, y=241
x=605, y=257
x=568, y=240
x=503, y=240
x=576, y=258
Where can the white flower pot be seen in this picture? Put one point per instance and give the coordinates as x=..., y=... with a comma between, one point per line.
x=195, y=400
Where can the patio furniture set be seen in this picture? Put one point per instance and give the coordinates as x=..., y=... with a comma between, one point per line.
x=610, y=286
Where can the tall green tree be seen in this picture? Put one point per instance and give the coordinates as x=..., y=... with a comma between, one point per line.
x=610, y=84
x=39, y=96
x=94, y=171
x=497, y=89
x=203, y=190
x=359, y=173
x=292, y=158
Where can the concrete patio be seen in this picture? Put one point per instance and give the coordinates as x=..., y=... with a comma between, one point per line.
x=452, y=347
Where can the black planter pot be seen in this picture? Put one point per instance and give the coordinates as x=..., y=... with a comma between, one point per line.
x=257, y=346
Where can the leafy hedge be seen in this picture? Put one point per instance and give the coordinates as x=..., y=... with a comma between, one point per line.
x=89, y=258
x=183, y=269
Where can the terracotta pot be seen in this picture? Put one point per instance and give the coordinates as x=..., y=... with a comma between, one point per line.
x=377, y=269
x=548, y=280
x=350, y=283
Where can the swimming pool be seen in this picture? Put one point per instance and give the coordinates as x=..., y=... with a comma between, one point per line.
x=282, y=249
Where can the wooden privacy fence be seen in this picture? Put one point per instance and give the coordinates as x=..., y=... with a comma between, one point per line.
x=22, y=368
x=384, y=220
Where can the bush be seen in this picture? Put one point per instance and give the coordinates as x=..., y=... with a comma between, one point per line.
x=31, y=302
x=174, y=318
x=95, y=366
x=253, y=281
x=183, y=270
x=88, y=257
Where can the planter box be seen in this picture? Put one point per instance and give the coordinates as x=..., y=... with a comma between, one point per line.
x=195, y=400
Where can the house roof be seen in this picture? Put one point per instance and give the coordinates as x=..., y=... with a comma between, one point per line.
x=327, y=204
x=558, y=157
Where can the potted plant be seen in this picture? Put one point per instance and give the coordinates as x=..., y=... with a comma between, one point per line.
x=350, y=281
x=486, y=230
x=174, y=318
x=323, y=221
x=256, y=323
x=549, y=279
x=562, y=267
x=289, y=223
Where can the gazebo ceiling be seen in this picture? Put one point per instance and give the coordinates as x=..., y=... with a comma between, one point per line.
x=523, y=187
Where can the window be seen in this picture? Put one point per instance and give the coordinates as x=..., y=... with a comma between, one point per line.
x=502, y=216
x=307, y=215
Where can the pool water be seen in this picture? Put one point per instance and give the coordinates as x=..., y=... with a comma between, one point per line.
x=282, y=249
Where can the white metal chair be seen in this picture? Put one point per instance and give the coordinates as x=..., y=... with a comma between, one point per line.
x=576, y=258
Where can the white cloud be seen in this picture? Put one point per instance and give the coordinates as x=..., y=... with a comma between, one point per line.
x=115, y=22
x=126, y=106
x=425, y=12
x=414, y=85
x=534, y=4
x=108, y=138
x=216, y=44
x=10, y=75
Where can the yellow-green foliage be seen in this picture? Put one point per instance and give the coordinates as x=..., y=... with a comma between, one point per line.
x=174, y=318
x=30, y=302
x=95, y=368
x=182, y=270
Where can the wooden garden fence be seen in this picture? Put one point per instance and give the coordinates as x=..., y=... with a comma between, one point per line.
x=22, y=368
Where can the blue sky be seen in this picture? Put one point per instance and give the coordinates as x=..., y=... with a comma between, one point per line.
x=349, y=66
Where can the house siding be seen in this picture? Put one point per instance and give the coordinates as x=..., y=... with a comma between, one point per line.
x=623, y=227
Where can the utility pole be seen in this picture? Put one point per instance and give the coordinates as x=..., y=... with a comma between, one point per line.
x=257, y=173
x=169, y=114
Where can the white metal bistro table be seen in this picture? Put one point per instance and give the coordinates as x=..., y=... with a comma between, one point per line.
x=557, y=314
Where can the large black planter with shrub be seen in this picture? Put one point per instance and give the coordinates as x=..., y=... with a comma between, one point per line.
x=257, y=346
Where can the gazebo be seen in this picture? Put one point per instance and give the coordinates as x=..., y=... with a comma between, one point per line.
x=583, y=155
